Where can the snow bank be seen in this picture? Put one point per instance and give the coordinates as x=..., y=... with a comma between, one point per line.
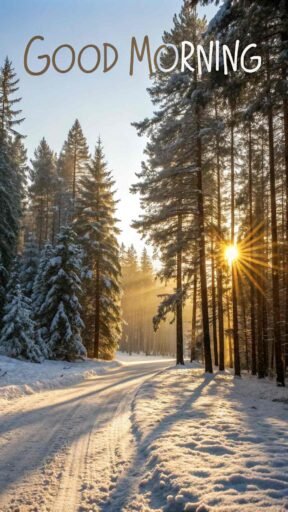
x=18, y=378
x=210, y=443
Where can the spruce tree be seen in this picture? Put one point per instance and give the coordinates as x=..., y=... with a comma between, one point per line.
x=9, y=116
x=39, y=294
x=3, y=284
x=43, y=176
x=96, y=226
x=17, y=337
x=11, y=170
x=29, y=265
x=61, y=307
x=72, y=166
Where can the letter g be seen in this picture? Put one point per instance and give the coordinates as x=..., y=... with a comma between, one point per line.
x=27, y=49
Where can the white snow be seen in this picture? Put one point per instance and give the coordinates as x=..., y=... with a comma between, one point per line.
x=141, y=358
x=210, y=443
x=64, y=450
x=141, y=435
x=18, y=378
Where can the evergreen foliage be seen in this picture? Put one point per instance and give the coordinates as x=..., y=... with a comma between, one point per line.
x=57, y=294
x=29, y=265
x=96, y=226
x=17, y=335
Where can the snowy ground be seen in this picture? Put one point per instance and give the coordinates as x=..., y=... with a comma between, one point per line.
x=210, y=444
x=125, y=358
x=18, y=378
x=141, y=437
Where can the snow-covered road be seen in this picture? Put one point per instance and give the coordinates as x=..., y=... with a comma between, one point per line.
x=65, y=449
x=139, y=439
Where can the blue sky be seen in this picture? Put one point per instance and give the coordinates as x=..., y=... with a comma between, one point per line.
x=105, y=104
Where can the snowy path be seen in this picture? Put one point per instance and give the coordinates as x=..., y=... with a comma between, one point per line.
x=65, y=450
x=137, y=439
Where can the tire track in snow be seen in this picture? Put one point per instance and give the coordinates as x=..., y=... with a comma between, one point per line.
x=65, y=450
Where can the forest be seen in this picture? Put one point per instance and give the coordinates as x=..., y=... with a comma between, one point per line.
x=214, y=196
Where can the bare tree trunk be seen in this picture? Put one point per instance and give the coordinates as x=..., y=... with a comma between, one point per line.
x=243, y=307
x=262, y=370
x=285, y=116
x=97, y=313
x=179, y=306
x=252, y=289
x=219, y=268
x=214, y=313
x=275, y=253
x=237, y=368
x=41, y=215
x=229, y=333
x=194, y=320
x=202, y=256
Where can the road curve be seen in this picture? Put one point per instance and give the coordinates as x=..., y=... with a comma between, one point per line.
x=65, y=450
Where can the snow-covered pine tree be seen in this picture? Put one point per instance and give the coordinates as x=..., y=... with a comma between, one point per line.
x=29, y=265
x=172, y=181
x=17, y=337
x=96, y=226
x=39, y=293
x=42, y=189
x=72, y=165
x=10, y=167
x=3, y=283
x=61, y=308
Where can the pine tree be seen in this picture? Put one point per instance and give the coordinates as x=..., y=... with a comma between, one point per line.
x=61, y=307
x=9, y=119
x=29, y=265
x=146, y=265
x=96, y=226
x=72, y=166
x=3, y=284
x=173, y=182
x=11, y=172
x=40, y=291
x=17, y=335
x=43, y=175
x=265, y=96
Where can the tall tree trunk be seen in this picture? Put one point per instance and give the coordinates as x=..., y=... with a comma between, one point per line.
x=74, y=182
x=285, y=121
x=274, y=234
x=230, y=351
x=219, y=267
x=237, y=368
x=260, y=293
x=97, y=313
x=202, y=255
x=214, y=313
x=47, y=218
x=243, y=307
x=252, y=289
x=194, y=320
x=41, y=217
x=179, y=305
x=285, y=111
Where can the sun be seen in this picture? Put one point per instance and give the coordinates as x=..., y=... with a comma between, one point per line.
x=231, y=254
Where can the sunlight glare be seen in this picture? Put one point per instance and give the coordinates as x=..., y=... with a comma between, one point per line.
x=231, y=254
